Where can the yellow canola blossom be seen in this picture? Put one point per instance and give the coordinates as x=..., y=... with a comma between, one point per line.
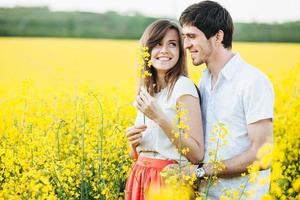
x=65, y=105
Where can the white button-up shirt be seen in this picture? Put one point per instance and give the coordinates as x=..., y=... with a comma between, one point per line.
x=242, y=95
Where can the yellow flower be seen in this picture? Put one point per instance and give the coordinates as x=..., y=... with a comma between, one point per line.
x=296, y=185
x=266, y=197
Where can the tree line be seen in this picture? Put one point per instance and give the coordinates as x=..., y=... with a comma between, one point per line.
x=41, y=22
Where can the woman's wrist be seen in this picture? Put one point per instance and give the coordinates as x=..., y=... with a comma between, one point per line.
x=166, y=125
x=162, y=120
x=133, y=147
x=133, y=152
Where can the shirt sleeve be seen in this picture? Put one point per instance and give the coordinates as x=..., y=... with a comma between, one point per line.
x=184, y=86
x=258, y=100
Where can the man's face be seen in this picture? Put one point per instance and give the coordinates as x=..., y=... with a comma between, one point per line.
x=200, y=47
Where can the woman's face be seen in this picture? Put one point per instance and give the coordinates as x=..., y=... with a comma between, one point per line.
x=165, y=54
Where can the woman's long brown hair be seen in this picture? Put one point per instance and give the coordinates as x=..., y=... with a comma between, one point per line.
x=152, y=36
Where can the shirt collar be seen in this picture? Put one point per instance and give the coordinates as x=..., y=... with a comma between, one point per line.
x=231, y=67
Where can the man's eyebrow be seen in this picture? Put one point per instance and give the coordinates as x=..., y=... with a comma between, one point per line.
x=189, y=34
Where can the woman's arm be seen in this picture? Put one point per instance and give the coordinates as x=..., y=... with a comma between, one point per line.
x=195, y=140
x=133, y=153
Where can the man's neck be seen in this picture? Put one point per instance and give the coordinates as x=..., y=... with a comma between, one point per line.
x=217, y=62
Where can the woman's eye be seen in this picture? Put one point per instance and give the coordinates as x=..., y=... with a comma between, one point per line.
x=173, y=44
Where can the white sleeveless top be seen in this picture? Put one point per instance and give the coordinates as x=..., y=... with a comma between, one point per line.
x=155, y=143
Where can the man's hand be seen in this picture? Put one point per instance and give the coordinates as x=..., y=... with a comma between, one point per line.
x=186, y=170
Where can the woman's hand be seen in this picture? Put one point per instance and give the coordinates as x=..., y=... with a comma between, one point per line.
x=147, y=105
x=134, y=135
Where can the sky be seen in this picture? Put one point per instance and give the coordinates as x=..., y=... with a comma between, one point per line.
x=241, y=10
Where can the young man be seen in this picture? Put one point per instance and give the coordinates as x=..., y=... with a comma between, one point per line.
x=233, y=93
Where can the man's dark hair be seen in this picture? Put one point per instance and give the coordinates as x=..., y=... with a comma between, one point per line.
x=209, y=17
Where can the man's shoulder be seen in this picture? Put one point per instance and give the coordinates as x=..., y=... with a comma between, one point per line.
x=250, y=73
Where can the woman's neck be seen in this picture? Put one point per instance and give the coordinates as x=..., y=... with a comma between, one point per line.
x=161, y=80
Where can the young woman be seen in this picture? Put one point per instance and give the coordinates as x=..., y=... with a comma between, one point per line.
x=153, y=143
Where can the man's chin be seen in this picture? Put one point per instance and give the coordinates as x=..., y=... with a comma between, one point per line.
x=197, y=63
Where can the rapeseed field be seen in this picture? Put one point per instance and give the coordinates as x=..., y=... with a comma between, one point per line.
x=65, y=105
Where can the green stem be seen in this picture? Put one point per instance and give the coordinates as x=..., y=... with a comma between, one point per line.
x=100, y=139
x=82, y=161
x=214, y=161
x=23, y=117
x=244, y=189
x=180, y=148
x=57, y=139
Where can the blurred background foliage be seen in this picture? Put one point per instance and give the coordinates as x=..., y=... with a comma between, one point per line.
x=41, y=22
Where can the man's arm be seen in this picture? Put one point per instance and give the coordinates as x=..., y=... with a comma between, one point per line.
x=260, y=133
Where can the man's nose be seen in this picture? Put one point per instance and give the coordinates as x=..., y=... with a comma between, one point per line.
x=186, y=44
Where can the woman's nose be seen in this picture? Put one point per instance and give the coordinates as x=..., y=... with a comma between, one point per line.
x=164, y=49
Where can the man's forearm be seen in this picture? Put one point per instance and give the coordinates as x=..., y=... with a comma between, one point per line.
x=259, y=133
x=234, y=166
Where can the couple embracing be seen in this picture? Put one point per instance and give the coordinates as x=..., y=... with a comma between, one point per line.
x=230, y=92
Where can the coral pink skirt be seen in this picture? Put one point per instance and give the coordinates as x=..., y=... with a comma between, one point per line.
x=144, y=175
